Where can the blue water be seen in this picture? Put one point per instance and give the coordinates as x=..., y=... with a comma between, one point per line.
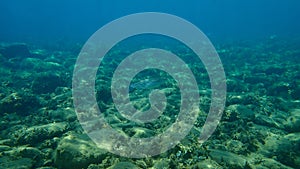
x=77, y=20
x=258, y=42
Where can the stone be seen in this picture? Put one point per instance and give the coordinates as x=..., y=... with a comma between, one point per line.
x=285, y=148
x=36, y=134
x=230, y=159
x=22, y=163
x=267, y=121
x=235, y=112
x=207, y=164
x=160, y=164
x=77, y=151
x=4, y=148
x=267, y=163
x=46, y=83
x=62, y=114
x=19, y=102
x=293, y=121
x=123, y=165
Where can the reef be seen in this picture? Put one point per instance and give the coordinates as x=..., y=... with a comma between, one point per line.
x=260, y=126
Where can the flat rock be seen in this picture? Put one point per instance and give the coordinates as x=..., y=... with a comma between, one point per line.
x=230, y=159
x=123, y=165
x=207, y=164
x=37, y=134
x=267, y=163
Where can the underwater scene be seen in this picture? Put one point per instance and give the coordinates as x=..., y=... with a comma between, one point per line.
x=135, y=84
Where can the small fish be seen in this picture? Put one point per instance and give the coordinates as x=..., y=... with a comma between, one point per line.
x=144, y=84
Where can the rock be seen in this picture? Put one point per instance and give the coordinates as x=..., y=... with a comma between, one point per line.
x=280, y=90
x=123, y=165
x=34, y=155
x=60, y=99
x=77, y=151
x=267, y=121
x=39, y=65
x=235, y=112
x=256, y=79
x=47, y=83
x=7, y=142
x=30, y=152
x=267, y=163
x=285, y=149
x=62, y=114
x=46, y=168
x=22, y=157
x=22, y=163
x=36, y=134
x=39, y=53
x=207, y=164
x=236, y=146
x=234, y=86
x=296, y=93
x=20, y=102
x=293, y=121
x=288, y=150
x=15, y=50
x=230, y=159
x=4, y=148
x=275, y=70
x=234, y=99
x=160, y=164
x=140, y=132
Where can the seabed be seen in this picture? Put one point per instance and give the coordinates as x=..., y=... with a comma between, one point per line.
x=259, y=129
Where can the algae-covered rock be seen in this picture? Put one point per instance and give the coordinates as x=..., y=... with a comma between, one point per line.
x=206, y=164
x=293, y=121
x=19, y=102
x=288, y=151
x=268, y=163
x=47, y=83
x=280, y=90
x=140, y=132
x=235, y=112
x=4, y=147
x=296, y=93
x=124, y=165
x=40, y=65
x=77, y=151
x=230, y=159
x=37, y=134
x=62, y=114
x=285, y=149
x=22, y=163
x=21, y=157
x=161, y=164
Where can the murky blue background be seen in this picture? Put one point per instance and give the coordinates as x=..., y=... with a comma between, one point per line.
x=44, y=20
